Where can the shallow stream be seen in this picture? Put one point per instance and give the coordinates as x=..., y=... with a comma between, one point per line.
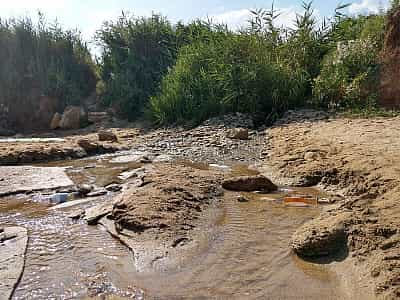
x=248, y=257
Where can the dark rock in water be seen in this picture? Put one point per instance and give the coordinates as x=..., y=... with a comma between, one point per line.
x=238, y=134
x=323, y=236
x=113, y=188
x=6, y=132
x=105, y=135
x=249, y=184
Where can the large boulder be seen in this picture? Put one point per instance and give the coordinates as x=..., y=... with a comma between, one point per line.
x=73, y=118
x=249, y=184
x=320, y=237
x=55, y=121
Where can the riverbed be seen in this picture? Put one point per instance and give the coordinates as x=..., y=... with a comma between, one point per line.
x=246, y=255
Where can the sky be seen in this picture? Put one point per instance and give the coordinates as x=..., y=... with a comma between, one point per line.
x=88, y=15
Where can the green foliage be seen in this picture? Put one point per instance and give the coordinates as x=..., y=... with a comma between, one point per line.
x=233, y=74
x=137, y=53
x=349, y=76
x=40, y=60
x=187, y=73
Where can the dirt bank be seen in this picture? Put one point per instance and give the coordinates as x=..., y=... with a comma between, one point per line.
x=359, y=160
x=58, y=146
x=163, y=218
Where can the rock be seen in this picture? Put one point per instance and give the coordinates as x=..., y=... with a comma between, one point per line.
x=76, y=215
x=145, y=160
x=107, y=136
x=6, y=132
x=19, y=179
x=242, y=199
x=238, y=134
x=85, y=189
x=321, y=237
x=73, y=117
x=310, y=156
x=100, y=192
x=130, y=174
x=55, y=121
x=113, y=188
x=249, y=184
x=88, y=146
x=12, y=253
x=94, y=214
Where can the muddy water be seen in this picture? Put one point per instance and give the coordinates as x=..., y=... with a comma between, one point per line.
x=247, y=257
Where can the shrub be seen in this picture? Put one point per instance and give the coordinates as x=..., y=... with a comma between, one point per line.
x=137, y=53
x=349, y=76
x=230, y=74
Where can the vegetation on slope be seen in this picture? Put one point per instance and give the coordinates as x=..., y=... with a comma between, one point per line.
x=37, y=60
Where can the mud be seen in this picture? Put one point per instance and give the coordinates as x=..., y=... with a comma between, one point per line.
x=359, y=160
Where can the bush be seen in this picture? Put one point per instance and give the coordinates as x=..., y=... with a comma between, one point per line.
x=229, y=74
x=349, y=76
x=137, y=53
x=41, y=60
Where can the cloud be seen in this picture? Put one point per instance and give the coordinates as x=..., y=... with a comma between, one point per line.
x=365, y=7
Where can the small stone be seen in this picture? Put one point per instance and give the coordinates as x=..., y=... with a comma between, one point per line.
x=238, y=134
x=85, y=189
x=76, y=215
x=242, y=199
x=324, y=201
x=105, y=135
x=145, y=160
x=113, y=188
x=310, y=156
x=88, y=145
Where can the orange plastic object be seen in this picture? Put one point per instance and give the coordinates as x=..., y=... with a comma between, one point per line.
x=299, y=201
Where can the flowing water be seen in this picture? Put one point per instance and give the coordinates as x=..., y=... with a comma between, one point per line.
x=248, y=257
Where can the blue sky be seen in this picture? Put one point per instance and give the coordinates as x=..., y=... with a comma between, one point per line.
x=88, y=15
